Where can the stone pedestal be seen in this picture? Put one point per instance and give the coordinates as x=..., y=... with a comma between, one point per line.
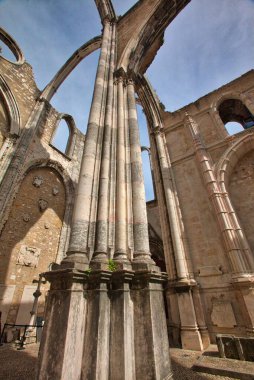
x=200, y=317
x=174, y=317
x=122, y=355
x=95, y=364
x=60, y=355
x=150, y=330
x=190, y=334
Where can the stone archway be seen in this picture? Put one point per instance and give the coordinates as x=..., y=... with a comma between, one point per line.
x=30, y=239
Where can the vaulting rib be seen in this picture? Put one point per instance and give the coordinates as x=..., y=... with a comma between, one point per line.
x=81, y=53
x=105, y=9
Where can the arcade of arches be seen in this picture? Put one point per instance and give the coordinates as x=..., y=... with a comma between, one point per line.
x=84, y=210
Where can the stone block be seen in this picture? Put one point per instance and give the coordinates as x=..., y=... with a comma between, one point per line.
x=231, y=347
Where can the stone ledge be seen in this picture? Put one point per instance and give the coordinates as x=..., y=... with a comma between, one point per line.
x=225, y=367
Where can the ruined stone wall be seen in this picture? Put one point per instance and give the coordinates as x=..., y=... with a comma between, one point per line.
x=36, y=210
x=21, y=82
x=30, y=238
x=206, y=250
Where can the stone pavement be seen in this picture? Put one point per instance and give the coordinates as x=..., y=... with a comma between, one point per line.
x=20, y=365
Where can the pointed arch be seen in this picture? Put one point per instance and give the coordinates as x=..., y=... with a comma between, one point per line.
x=233, y=154
x=11, y=106
x=234, y=96
x=81, y=53
x=13, y=46
x=69, y=141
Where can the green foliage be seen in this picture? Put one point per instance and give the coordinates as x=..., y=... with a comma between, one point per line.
x=88, y=271
x=112, y=265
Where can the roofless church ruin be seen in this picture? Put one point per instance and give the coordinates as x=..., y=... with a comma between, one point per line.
x=124, y=279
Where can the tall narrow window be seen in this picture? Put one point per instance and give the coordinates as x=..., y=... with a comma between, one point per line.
x=62, y=137
x=4, y=122
x=146, y=163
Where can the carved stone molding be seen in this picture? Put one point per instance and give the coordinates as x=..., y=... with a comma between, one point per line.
x=26, y=217
x=28, y=256
x=43, y=205
x=38, y=181
x=55, y=190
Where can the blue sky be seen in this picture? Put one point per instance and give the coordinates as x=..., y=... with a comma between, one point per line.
x=207, y=45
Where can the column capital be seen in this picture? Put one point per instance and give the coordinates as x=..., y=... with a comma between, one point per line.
x=119, y=76
x=157, y=130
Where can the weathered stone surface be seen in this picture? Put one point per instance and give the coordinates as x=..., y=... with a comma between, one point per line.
x=233, y=347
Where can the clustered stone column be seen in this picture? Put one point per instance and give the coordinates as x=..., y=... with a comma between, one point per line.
x=181, y=288
x=78, y=247
x=108, y=322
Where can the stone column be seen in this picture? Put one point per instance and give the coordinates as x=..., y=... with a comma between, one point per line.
x=140, y=225
x=75, y=341
x=151, y=338
x=121, y=207
x=200, y=316
x=102, y=222
x=77, y=251
x=180, y=260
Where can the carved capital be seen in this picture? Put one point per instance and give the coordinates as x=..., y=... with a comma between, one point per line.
x=157, y=130
x=119, y=76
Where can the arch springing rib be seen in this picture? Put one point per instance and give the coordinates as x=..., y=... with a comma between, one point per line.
x=13, y=46
x=81, y=53
x=106, y=10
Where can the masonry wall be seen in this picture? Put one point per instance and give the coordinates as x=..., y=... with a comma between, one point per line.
x=36, y=194
x=211, y=267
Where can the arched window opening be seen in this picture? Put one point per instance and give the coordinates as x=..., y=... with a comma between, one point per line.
x=6, y=52
x=235, y=115
x=4, y=122
x=9, y=48
x=62, y=136
x=75, y=94
x=146, y=162
x=233, y=127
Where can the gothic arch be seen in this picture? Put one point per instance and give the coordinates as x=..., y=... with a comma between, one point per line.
x=223, y=169
x=13, y=46
x=233, y=154
x=81, y=53
x=70, y=143
x=69, y=192
x=11, y=107
x=230, y=95
x=140, y=51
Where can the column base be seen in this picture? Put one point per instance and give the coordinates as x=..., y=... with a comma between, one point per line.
x=95, y=362
x=190, y=334
x=75, y=260
x=122, y=355
x=63, y=332
x=191, y=339
x=152, y=359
